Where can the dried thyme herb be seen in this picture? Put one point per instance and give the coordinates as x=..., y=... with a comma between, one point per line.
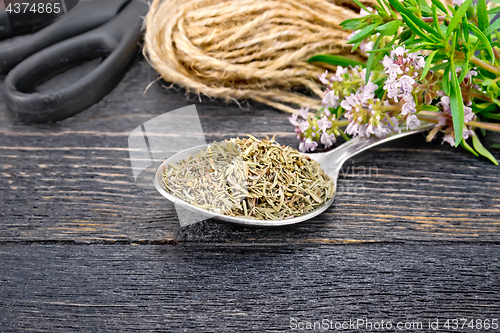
x=250, y=178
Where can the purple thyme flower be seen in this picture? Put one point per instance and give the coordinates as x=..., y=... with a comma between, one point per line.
x=387, y=62
x=392, y=87
x=394, y=123
x=304, y=126
x=365, y=47
x=468, y=114
x=412, y=121
x=363, y=12
x=349, y=102
x=324, y=124
x=293, y=120
x=420, y=63
x=380, y=130
x=331, y=100
x=327, y=139
x=449, y=138
x=471, y=73
x=467, y=133
x=399, y=51
x=406, y=84
x=352, y=128
x=408, y=107
x=308, y=145
x=303, y=112
x=323, y=79
x=369, y=89
x=339, y=75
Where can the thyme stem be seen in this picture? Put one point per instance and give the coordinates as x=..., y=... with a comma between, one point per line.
x=488, y=126
x=478, y=62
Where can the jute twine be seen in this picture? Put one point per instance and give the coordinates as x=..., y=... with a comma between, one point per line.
x=247, y=49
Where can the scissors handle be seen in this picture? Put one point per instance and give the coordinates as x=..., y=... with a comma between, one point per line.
x=85, y=17
x=116, y=42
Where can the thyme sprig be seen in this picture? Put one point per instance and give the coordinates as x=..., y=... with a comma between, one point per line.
x=431, y=62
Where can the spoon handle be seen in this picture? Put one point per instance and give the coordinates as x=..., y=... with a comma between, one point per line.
x=335, y=158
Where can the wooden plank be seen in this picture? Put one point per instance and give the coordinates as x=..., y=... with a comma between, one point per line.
x=221, y=288
x=72, y=181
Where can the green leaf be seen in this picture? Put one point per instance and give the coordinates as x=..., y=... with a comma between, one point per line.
x=367, y=31
x=480, y=107
x=497, y=34
x=380, y=90
x=466, y=146
x=439, y=67
x=471, y=11
x=378, y=58
x=385, y=49
x=369, y=63
x=412, y=10
x=361, y=5
x=494, y=10
x=383, y=9
x=353, y=24
x=424, y=26
x=415, y=28
x=465, y=25
x=398, y=6
x=427, y=108
x=494, y=98
x=454, y=42
x=489, y=115
x=390, y=28
x=440, y=56
x=345, y=136
x=457, y=105
x=457, y=17
x=428, y=63
x=335, y=60
x=424, y=7
x=492, y=28
x=435, y=21
x=482, y=38
x=440, y=5
x=478, y=146
x=482, y=15
x=465, y=70
x=495, y=145
x=404, y=35
x=356, y=46
x=446, y=80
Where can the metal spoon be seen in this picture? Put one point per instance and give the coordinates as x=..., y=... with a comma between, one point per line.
x=331, y=162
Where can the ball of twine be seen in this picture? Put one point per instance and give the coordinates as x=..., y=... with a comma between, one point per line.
x=240, y=50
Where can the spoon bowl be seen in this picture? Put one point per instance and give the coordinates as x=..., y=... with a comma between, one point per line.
x=331, y=162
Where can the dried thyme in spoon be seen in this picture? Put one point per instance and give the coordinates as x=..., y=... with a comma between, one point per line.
x=250, y=178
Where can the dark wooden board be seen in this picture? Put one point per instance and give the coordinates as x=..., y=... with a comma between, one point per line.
x=206, y=288
x=72, y=181
x=82, y=248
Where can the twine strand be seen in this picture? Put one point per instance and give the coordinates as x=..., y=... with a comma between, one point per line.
x=247, y=49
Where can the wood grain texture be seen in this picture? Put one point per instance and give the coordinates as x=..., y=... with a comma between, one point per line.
x=413, y=234
x=72, y=181
x=207, y=288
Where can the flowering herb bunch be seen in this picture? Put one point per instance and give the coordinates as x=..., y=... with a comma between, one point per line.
x=426, y=63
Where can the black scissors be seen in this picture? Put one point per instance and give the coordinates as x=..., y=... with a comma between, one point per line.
x=110, y=30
